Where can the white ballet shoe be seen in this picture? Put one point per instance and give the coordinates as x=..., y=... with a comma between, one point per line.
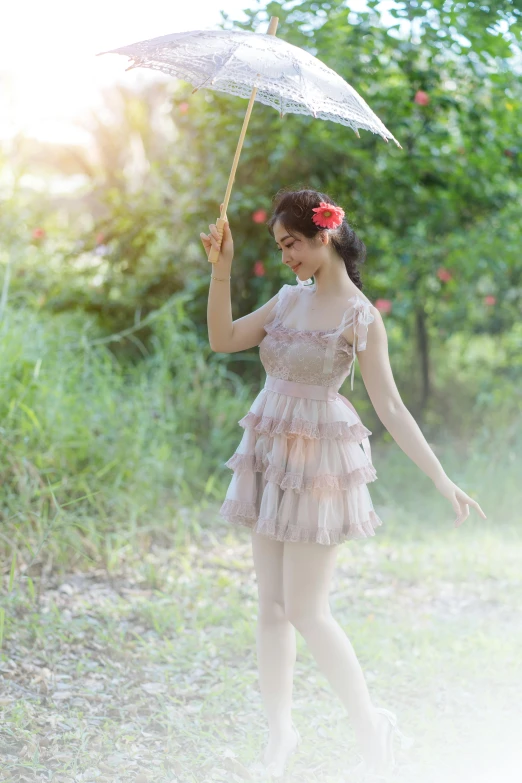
x=277, y=769
x=366, y=773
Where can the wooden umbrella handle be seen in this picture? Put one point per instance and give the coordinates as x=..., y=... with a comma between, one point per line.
x=220, y=222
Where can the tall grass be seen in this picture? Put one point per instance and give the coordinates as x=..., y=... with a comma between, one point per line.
x=95, y=451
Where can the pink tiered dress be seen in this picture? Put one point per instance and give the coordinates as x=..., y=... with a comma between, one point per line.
x=299, y=472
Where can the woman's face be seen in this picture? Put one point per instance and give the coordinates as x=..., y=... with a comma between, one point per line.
x=301, y=255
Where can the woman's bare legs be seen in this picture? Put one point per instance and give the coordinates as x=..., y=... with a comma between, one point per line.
x=276, y=645
x=307, y=573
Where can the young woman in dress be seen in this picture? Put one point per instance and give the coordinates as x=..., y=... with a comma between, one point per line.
x=299, y=476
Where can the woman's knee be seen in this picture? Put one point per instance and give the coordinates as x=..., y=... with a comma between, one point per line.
x=304, y=617
x=271, y=610
x=308, y=571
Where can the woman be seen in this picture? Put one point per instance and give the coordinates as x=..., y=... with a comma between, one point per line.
x=299, y=476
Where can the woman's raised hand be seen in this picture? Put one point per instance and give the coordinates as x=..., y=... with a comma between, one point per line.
x=458, y=499
x=226, y=252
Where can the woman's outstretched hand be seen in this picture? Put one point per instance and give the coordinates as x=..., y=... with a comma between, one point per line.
x=226, y=251
x=458, y=498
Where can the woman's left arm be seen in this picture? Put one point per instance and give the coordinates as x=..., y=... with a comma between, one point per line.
x=374, y=363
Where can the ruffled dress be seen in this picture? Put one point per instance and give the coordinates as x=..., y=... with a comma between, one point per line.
x=299, y=472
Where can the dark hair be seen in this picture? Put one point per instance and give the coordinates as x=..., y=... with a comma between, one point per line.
x=293, y=208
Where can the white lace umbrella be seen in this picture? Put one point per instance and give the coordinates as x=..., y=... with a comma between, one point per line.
x=253, y=65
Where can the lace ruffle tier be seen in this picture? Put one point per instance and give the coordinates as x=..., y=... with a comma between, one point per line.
x=299, y=473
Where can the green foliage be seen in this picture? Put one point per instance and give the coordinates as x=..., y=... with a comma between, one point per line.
x=124, y=445
x=443, y=78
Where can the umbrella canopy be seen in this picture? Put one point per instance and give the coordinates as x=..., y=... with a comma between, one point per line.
x=286, y=77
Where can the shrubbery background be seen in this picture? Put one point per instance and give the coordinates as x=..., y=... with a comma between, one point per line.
x=116, y=417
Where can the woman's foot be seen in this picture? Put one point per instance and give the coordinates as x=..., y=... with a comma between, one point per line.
x=378, y=750
x=281, y=746
x=377, y=747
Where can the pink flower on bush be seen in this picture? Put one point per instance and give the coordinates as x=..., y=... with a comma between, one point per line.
x=259, y=216
x=383, y=305
x=490, y=300
x=422, y=98
x=259, y=269
x=38, y=233
x=183, y=107
x=100, y=238
x=443, y=274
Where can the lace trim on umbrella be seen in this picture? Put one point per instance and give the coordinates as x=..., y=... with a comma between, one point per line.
x=287, y=77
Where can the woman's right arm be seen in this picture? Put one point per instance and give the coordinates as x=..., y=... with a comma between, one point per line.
x=225, y=335
x=246, y=332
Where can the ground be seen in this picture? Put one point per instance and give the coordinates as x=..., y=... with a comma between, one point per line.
x=149, y=673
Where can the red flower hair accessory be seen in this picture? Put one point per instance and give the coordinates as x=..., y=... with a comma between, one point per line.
x=327, y=215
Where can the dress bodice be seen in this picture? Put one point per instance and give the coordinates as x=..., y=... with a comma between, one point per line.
x=321, y=357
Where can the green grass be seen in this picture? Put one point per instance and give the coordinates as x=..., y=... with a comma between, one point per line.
x=97, y=453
